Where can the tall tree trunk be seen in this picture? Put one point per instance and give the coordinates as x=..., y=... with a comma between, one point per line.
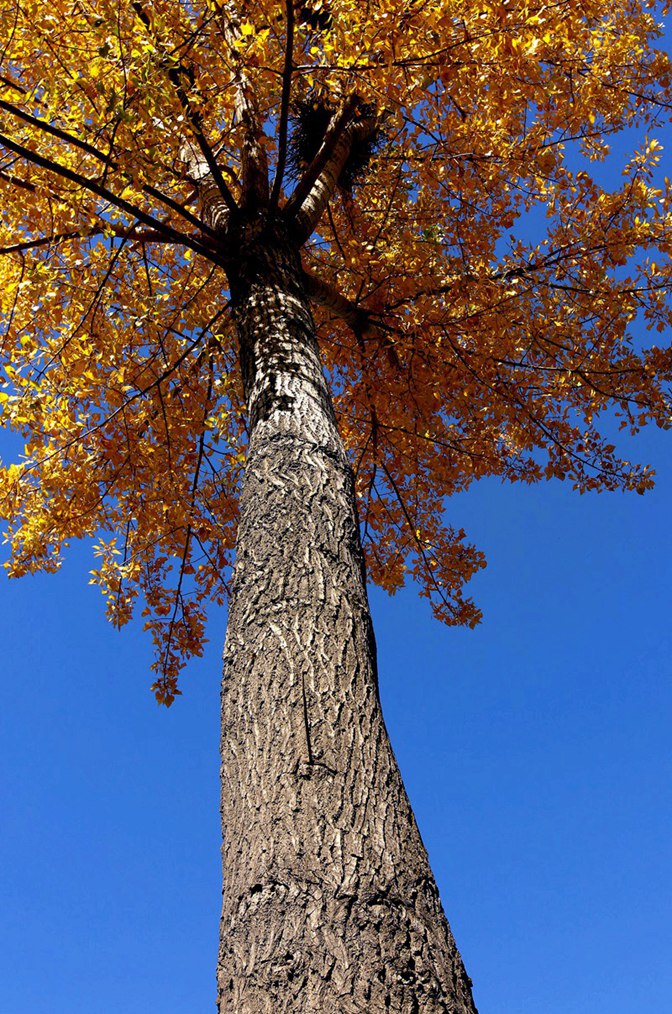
x=329, y=902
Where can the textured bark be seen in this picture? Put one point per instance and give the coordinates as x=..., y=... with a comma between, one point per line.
x=329, y=902
x=335, y=149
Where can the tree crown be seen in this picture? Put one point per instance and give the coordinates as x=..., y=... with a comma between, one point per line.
x=410, y=151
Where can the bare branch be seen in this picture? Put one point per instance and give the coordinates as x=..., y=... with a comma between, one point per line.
x=284, y=105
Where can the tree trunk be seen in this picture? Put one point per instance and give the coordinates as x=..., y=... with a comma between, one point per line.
x=329, y=902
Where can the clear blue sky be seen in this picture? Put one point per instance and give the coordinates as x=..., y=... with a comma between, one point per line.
x=536, y=751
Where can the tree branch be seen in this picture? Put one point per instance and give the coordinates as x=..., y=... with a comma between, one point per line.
x=138, y=236
x=44, y=240
x=77, y=142
x=254, y=161
x=214, y=208
x=164, y=228
x=338, y=124
x=413, y=529
x=284, y=106
x=356, y=316
x=176, y=73
x=318, y=184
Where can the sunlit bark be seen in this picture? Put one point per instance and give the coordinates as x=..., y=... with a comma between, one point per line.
x=329, y=902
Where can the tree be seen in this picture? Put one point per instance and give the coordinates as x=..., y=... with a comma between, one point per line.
x=265, y=283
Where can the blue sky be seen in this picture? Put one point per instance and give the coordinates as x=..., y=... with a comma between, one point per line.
x=535, y=750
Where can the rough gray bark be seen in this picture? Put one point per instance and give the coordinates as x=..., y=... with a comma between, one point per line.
x=329, y=902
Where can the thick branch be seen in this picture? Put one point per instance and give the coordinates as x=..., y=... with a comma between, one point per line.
x=314, y=191
x=254, y=162
x=357, y=317
x=214, y=208
x=334, y=132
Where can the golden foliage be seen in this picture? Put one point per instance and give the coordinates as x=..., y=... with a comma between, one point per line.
x=505, y=280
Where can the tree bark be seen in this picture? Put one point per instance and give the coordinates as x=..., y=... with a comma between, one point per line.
x=329, y=902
